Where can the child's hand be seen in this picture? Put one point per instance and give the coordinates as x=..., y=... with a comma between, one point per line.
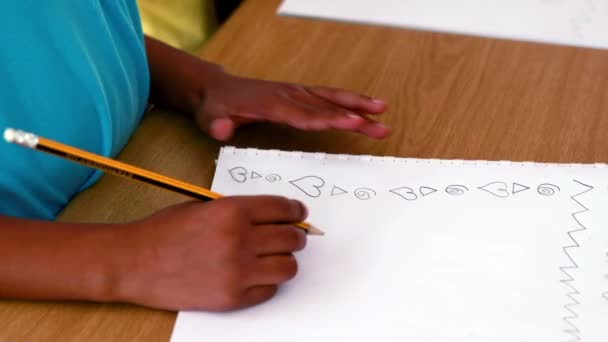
x=221, y=102
x=221, y=255
x=231, y=101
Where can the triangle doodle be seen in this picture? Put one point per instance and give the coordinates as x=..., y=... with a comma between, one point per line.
x=425, y=190
x=255, y=175
x=338, y=191
x=519, y=188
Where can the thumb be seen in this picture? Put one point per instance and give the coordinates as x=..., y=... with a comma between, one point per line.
x=220, y=128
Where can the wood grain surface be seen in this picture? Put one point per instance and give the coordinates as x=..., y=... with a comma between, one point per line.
x=450, y=97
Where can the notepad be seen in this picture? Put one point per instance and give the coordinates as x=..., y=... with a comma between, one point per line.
x=427, y=250
x=569, y=22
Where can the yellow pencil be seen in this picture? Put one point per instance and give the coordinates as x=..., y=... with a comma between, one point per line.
x=117, y=168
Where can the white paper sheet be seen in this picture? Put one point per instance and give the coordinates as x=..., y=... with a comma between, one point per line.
x=570, y=22
x=427, y=250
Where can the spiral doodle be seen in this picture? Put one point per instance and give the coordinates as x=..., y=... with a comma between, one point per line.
x=272, y=178
x=548, y=189
x=364, y=193
x=456, y=190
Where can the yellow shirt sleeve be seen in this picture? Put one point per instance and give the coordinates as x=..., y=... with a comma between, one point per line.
x=184, y=24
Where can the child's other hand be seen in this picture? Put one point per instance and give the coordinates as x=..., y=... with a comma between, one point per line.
x=221, y=255
x=230, y=101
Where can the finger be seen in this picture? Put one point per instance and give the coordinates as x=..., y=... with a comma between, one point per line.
x=301, y=109
x=258, y=294
x=283, y=111
x=314, y=119
x=373, y=129
x=350, y=100
x=272, y=209
x=306, y=116
x=322, y=120
x=273, y=270
x=332, y=116
x=277, y=239
x=359, y=123
x=310, y=112
x=305, y=111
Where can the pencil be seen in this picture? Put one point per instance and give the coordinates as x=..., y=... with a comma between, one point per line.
x=120, y=169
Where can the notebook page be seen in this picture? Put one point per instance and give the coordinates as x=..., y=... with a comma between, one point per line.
x=427, y=250
x=570, y=22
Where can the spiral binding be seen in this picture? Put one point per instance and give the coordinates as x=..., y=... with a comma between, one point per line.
x=279, y=154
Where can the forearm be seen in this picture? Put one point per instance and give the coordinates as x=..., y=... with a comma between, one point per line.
x=58, y=261
x=176, y=77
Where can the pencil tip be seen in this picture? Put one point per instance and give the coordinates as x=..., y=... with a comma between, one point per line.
x=312, y=230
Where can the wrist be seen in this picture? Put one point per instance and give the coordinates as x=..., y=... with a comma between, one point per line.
x=179, y=80
x=105, y=265
x=58, y=261
x=200, y=76
x=114, y=278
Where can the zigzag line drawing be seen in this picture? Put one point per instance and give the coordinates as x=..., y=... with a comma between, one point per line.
x=573, y=332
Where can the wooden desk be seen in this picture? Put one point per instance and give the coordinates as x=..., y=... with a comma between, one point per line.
x=450, y=97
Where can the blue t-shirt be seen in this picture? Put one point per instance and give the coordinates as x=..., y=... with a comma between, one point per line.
x=74, y=71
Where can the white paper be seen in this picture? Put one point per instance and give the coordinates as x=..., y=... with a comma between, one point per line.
x=569, y=22
x=427, y=250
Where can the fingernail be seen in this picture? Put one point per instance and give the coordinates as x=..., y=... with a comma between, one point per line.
x=353, y=116
x=378, y=101
x=380, y=124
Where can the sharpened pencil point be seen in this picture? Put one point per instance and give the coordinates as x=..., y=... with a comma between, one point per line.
x=312, y=230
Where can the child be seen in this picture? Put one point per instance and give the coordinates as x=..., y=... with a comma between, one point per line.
x=81, y=72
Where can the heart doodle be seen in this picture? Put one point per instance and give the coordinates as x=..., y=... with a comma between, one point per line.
x=405, y=193
x=498, y=189
x=309, y=185
x=238, y=174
